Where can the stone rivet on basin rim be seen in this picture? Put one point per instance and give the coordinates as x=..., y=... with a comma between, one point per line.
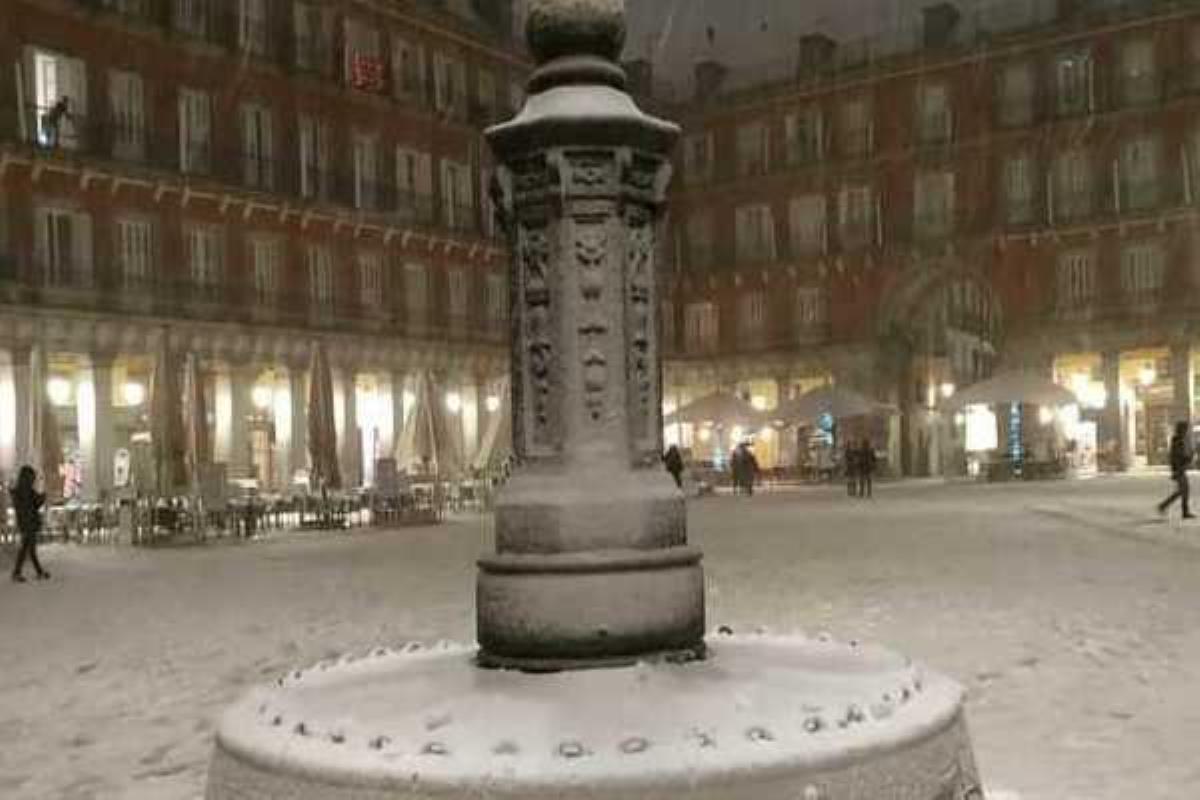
x=635, y=744
x=759, y=734
x=813, y=724
x=337, y=737
x=725, y=630
x=572, y=749
x=277, y=720
x=506, y=748
x=435, y=749
x=301, y=729
x=379, y=742
x=704, y=738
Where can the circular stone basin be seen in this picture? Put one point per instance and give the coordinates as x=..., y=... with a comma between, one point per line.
x=761, y=718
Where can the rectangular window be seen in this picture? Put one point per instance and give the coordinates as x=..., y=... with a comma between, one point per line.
x=488, y=209
x=63, y=247
x=1073, y=185
x=856, y=216
x=755, y=233
x=934, y=114
x=486, y=95
x=135, y=248
x=700, y=239
x=1139, y=72
x=320, y=275
x=933, y=201
x=364, y=56
x=1076, y=279
x=59, y=99
x=1015, y=94
x=408, y=68
x=370, y=279
x=449, y=78
x=459, y=291
x=205, y=254
x=252, y=26
x=701, y=327
x=698, y=158
x=312, y=31
x=807, y=225
x=314, y=158
x=458, y=208
x=497, y=302
x=266, y=253
x=1138, y=173
x=753, y=148
x=752, y=316
x=804, y=136
x=127, y=110
x=810, y=308
x=195, y=131
x=191, y=17
x=414, y=184
x=855, y=128
x=1143, y=269
x=366, y=171
x=1073, y=81
x=416, y=293
x=258, y=162
x=1018, y=189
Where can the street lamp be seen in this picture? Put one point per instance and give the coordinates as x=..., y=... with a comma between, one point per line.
x=261, y=396
x=1147, y=376
x=492, y=404
x=453, y=402
x=59, y=390
x=133, y=393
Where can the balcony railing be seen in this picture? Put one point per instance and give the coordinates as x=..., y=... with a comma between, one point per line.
x=101, y=287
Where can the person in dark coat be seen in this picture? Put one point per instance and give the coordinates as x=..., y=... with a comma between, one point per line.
x=673, y=461
x=850, y=462
x=28, y=502
x=745, y=468
x=866, y=467
x=1181, y=459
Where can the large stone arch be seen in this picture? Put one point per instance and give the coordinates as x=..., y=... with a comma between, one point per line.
x=940, y=324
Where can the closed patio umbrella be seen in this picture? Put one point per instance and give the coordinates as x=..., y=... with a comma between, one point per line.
x=1014, y=387
x=167, y=438
x=322, y=435
x=497, y=436
x=424, y=434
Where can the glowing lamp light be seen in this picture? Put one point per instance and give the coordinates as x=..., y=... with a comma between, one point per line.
x=668, y=408
x=492, y=404
x=261, y=397
x=705, y=434
x=409, y=398
x=759, y=402
x=133, y=393
x=960, y=418
x=453, y=402
x=1045, y=415
x=947, y=390
x=1147, y=376
x=736, y=433
x=59, y=390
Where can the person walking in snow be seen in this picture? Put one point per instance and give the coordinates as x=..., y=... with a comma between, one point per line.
x=1181, y=459
x=866, y=467
x=28, y=502
x=673, y=461
x=850, y=464
x=745, y=468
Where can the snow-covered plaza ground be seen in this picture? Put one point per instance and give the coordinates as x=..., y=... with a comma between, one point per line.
x=1070, y=612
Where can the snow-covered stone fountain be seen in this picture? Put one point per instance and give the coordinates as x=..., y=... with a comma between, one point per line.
x=592, y=677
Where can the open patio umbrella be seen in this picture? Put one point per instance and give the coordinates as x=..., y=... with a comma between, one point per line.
x=837, y=402
x=197, y=419
x=718, y=408
x=322, y=435
x=1014, y=387
x=45, y=448
x=167, y=437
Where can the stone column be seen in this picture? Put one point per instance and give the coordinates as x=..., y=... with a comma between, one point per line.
x=284, y=429
x=298, y=397
x=22, y=369
x=1183, y=376
x=14, y=411
x=592, y=564
x=94, y=420
x=1111, y=433
x=349, y=437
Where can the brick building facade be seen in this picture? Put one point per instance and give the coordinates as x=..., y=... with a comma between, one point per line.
x=241, y=180
x=1023, y=196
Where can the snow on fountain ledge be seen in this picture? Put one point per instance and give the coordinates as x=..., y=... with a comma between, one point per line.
x=760, y=710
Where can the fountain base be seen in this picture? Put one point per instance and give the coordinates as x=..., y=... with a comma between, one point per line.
x=764, y=718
